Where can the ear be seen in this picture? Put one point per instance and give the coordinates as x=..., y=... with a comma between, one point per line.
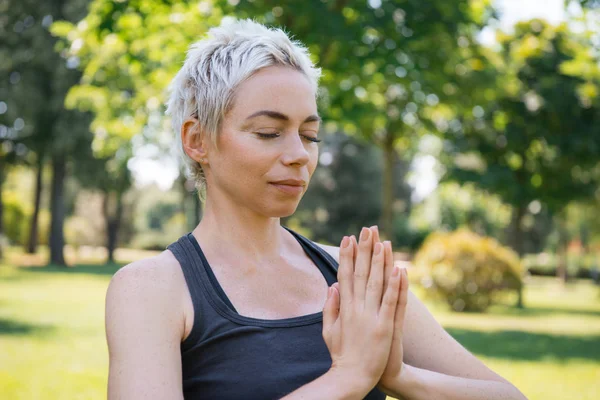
x=194, y=141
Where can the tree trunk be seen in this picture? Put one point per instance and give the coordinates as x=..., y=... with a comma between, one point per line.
x=33, y=229
x=57, y=211
x=586, y=251
x=563, y=238
x=113, y=223
x=517, y=242
x=387, y=215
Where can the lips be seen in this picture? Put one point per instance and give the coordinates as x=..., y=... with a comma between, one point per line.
x=289, y=189
x=290, y=182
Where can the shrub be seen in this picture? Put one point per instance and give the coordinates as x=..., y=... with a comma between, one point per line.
x=15, y=218
x=467, y=270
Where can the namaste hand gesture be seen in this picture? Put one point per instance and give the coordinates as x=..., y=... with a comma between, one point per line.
x=364, y=314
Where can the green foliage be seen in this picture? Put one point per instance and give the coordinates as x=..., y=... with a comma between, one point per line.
x=16, y=220
x=34, y=80
x=454, y=206
x=467, y=270
x=385, y=66
x=129, y=52
x=345, y=191
x=157, y=218
x=407, y=235
x=533, y=132
x=381, y=77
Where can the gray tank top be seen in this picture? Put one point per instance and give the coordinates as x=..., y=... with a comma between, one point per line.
x=228, y=356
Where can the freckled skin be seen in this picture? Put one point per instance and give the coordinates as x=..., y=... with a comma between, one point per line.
x=245, y=162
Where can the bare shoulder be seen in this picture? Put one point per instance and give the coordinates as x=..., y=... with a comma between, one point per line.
x=151, y=280
x=144, y=325
x=158, y=272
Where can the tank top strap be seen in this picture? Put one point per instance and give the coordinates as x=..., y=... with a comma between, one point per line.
x=308, y=244
x=185, y=253
x=198, y=285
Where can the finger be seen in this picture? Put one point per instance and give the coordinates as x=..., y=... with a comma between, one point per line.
x=345, y=272
x=402, y=302
x=389, y=262
x=362, y=265
x=375, y=283
x=375, y=230
x=355, y=246
x=330, y=309
x=390, y=298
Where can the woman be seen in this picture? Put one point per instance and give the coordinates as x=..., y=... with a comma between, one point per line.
x=242, y=307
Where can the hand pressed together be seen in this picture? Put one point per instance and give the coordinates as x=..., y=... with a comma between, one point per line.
x=364, y=312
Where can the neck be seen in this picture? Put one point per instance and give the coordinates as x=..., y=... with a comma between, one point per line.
x=239, y=231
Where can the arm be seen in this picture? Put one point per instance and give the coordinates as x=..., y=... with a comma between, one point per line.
x=437, y=366
x=330, y=385
x=416, y=383
x=440, y=367
x=144, y=327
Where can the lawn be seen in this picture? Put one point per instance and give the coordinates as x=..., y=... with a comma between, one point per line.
x=53, y=345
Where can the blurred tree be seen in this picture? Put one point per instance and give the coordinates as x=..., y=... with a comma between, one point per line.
x=157, y=217
x=345, y=190
x=453, y=206
x=128, y=53
x=112, y=178
x=534, y=134
x=7, y=156
x=373, y=83
x=580, y=224
x=585, y=3
x=387, y=65
x=36, y=79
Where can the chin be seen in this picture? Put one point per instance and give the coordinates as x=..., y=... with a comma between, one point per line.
x=282, y=210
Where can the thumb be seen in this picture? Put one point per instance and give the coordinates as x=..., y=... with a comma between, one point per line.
x=331, y=309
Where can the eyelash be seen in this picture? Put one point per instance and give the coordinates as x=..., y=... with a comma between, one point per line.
x=274, y=135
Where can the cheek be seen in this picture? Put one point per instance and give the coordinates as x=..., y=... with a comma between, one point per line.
x=246, y=157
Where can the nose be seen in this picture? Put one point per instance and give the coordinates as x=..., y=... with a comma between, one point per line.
x=295, y=152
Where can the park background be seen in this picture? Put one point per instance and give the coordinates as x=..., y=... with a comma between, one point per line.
x=468, y=130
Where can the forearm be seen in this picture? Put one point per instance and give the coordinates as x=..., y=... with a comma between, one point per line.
x=421, y=384
x=330, y=385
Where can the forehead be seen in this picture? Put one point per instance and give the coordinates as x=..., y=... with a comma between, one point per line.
x=276, y=88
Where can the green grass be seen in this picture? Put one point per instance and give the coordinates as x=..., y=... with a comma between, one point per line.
x=52, y=343
x=549, y=350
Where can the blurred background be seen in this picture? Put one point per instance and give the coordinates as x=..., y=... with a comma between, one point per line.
x=468, y=130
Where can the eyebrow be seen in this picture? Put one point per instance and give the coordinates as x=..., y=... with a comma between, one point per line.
x=282, y=117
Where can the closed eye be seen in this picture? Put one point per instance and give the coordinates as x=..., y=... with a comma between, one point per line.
x=274, y=135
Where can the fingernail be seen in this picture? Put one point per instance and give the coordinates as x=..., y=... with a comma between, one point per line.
x=345, y=242
x=396, y=271
x=364, y=234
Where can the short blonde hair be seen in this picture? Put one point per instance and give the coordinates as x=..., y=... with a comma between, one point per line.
x=215, y=66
